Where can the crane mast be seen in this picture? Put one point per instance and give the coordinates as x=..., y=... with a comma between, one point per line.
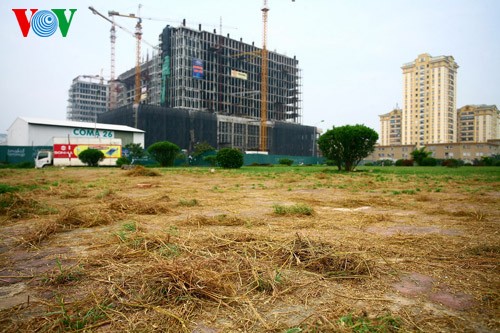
x=112, y=82
x=263, y=92
x=138, y=36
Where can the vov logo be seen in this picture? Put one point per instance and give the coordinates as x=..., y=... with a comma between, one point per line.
x=44, y=23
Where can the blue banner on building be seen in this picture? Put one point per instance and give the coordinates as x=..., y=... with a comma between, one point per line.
x=197, y=68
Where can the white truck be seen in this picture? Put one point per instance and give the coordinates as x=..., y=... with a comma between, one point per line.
x=66, y=150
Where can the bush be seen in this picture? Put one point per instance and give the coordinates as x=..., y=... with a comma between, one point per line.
x=451, y=163
x=122, y=161
x=91, y=157
x=383, y=163
x=404, y=163
x=428, y=161
x=285, y=161
x=230, y=158
x=164, y=152
x=134, y=151
x=212, y=159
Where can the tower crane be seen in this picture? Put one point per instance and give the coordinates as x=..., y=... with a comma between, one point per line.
x=138, y=36
x=264, y=78
x=263, y=88
x=113, y=42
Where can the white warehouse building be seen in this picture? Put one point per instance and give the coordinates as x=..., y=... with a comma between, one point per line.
x=35, y=132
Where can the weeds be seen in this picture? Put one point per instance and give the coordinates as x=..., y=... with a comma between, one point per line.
x=63, y=275
x=139, y=170
x=76, y=320
x=298, y=209
x=106, y=193
x=188, y=203
x=364, y=324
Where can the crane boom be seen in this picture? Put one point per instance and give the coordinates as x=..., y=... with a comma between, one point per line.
x=138, y=36
x=113, y=95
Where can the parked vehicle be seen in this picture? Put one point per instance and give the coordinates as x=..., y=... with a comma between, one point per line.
x=66, y=150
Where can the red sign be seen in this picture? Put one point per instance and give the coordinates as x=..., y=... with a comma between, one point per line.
x=64, y=151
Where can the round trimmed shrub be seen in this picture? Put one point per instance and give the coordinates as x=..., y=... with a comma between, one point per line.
x=91, y=157
x=122, y=161
x=230, y=158
x=164, y=152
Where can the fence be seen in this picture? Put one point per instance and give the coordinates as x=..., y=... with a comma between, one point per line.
x=23, y=154
x=19, y=154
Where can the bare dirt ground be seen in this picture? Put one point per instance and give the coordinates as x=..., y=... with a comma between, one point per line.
x=99, y=250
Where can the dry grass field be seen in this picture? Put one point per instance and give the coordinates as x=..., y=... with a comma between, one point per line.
x=283, y=249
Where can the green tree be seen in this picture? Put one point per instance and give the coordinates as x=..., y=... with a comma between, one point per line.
x=230, y=158
x=164, y=152
x=348, y=145
x=134, y=150
x=419, y=155
x=91, y=157
x=202, y=147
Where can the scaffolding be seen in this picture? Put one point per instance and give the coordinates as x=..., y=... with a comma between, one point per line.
x=87, y=98
x=230, y=78
x=197, y=70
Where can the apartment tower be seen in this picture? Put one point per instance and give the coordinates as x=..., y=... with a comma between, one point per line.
x=88, y=97
x=429, y=100
x=390, y=124
x=478, y=123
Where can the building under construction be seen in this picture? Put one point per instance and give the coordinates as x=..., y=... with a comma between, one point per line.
x=88, y=97
x=214, y=81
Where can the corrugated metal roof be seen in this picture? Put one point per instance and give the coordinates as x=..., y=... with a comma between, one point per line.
x=69, y=123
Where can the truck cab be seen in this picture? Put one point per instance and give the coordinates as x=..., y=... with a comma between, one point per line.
x=43, y=158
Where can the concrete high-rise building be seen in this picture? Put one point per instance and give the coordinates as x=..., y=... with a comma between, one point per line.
x=429, y=100
x=88, y=97
x=203, y=86
x=390, y=124
x=204, y=71
x=478, y=123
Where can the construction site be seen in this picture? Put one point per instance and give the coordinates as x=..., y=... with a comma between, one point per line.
x=238, y=94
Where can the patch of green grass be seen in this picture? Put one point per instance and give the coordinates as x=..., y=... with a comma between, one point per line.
x=298, y=209
x=127, y=228
x=105, y=193
x=169, y=250
x=408, y=192
x=4, y=188
x=293, y=330
x=386, y=324
x=77, y=320
x=188, y=203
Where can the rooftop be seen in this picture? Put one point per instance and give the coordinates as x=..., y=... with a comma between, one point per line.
x=69, y=123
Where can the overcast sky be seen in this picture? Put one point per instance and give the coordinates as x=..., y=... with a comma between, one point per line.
x=350, y=51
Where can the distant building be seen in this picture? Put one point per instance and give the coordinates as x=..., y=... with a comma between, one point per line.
x=429, y=100
x=35, y=132
x=390, y=124
x=88, y=97
x=478, y=123
x=458, y=150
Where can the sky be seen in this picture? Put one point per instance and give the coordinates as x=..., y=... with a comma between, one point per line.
x=350, y=52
